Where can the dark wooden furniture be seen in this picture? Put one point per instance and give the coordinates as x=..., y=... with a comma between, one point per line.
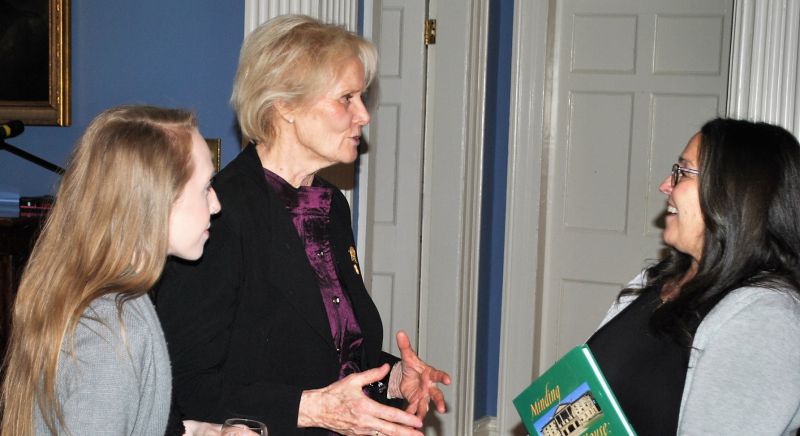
x=17, y=236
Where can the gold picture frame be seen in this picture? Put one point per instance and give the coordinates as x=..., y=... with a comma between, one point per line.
x=215, y=145
x=24, y=95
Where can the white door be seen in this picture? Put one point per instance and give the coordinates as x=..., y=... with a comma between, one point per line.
x=633, y=80
x=418, y=207
x=393, y=189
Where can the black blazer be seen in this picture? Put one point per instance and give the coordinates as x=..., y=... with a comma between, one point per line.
x=245, y=325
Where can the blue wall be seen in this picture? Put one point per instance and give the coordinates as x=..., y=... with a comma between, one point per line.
x=179, y=53
x=495, y=161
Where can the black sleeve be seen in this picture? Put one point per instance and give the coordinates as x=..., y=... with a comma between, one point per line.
x=198, y=303
x=380, y=392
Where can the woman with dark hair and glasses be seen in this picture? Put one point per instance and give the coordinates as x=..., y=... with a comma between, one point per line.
x=707, y=340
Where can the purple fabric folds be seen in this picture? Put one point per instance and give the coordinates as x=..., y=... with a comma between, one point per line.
x=309, y=207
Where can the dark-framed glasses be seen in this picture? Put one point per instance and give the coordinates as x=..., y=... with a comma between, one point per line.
x=679, y=171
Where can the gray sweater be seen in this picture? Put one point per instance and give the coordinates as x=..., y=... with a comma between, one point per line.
x=119, y=382
x=744, y=367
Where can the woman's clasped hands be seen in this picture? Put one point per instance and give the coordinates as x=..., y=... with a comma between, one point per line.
x=344, y=408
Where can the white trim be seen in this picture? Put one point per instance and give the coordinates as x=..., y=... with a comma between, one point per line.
x=362, y=169
x=344, y=12
x=486, y=426
x=764, y=80
x=473, y=194
x=453, y=165
x=251, y=15
x=526, y=148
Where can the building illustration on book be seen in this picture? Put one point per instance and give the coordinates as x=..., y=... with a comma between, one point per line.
x=572, y=398
x=571, y=416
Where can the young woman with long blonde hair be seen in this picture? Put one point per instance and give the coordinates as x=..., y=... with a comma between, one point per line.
x=87, y=354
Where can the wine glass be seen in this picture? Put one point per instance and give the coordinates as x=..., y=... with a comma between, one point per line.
x=243, y=427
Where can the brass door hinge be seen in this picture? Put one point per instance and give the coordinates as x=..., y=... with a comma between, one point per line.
x=430, y=32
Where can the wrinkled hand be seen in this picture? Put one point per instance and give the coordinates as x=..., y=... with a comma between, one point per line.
x=419, y=383
x=344, y=408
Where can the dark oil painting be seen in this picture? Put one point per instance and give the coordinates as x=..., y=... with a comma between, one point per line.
x=24, y=50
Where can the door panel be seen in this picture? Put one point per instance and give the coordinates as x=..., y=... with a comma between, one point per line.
x=395, y=175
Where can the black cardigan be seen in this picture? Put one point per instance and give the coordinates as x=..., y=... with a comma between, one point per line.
x=245, y=325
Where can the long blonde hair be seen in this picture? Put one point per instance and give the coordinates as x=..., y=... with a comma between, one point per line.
x=107, y=233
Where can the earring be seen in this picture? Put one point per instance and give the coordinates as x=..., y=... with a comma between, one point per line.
x=290, y=120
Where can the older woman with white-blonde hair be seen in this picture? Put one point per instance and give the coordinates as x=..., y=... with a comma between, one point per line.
x=274, y=323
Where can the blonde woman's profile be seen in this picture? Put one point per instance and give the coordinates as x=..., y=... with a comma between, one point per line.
x=87, y=354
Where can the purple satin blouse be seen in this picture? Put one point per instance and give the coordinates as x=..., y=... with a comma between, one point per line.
x=309, y=207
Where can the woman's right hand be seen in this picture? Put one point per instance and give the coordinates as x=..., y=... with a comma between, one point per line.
x=344, y=408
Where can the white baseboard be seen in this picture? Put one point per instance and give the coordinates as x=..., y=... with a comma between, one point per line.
x=486, y=426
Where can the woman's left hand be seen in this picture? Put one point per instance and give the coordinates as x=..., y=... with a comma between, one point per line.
x=197, y=428
x=419, y=380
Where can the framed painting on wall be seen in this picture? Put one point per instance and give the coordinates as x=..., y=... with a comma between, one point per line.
x=215, y=145
x=35, y=54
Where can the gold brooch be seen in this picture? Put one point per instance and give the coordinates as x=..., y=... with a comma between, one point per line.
x=354, y=259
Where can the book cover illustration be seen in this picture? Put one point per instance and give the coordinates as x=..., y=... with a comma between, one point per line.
x=572, y=398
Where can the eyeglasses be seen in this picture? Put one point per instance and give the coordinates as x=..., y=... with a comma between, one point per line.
x=679, y=171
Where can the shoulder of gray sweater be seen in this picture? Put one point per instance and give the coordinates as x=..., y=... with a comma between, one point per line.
x=754, y=298
x=777, y=305
x=102, y=318
x=103, y=344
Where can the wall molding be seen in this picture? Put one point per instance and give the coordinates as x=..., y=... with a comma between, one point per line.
x=764, y=80
x=344, y=12
x=452, y=170
x=477, y=51
x=486, y=426
x=526, y=151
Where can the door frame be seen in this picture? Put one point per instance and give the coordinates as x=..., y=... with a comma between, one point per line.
x=527, y=157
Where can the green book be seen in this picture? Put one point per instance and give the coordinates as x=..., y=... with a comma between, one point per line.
x=572, y=398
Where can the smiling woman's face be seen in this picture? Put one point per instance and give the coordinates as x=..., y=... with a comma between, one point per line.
x=684, y=222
